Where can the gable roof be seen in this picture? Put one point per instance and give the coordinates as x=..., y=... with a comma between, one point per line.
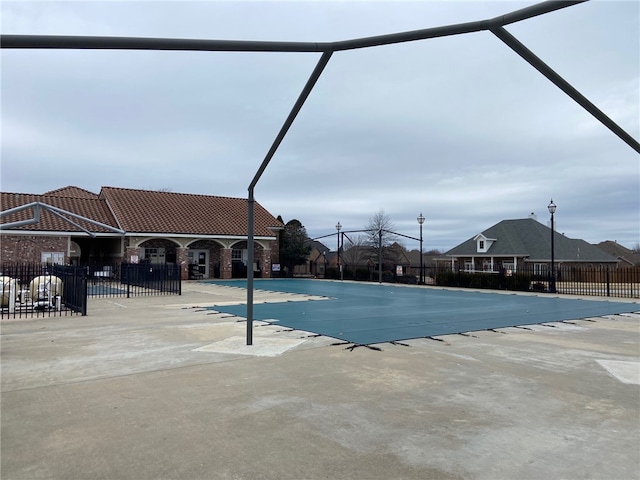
x=146, y=211
x=141, y=211
x=71, y=191
x=530, y=239
x=414, y=257
x=620, y=252
x=316, y=245
x=84, y=205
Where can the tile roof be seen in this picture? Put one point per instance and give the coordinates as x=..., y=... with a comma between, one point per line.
x=529, y=238
x=84, y=205
x=143, y=211
x=71, y=191
x=146, y=211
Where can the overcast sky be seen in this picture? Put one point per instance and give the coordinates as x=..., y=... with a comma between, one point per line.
x=458, y=128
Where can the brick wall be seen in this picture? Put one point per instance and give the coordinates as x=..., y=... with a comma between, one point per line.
x=28, y=248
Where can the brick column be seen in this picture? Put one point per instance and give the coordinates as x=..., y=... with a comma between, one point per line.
x=182, y=259
x=226, y=271
x=131, y=251
x=265, y=263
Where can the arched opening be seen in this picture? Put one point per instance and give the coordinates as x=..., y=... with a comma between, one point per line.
x=158, y=250
x=240, y=260
x=205, y=257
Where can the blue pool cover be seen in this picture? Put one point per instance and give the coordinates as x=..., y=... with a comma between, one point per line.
x=366, y=314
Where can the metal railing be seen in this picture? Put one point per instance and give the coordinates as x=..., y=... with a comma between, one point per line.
x=42, y=290
x=36, y=290
x=135, y=279
x=609, y=281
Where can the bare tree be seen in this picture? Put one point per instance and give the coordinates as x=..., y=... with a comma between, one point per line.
x=380, y=235
x=380, y=226
x=354, y=251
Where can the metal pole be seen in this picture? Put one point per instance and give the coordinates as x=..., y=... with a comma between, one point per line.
x=380, y=256
x=338, y=249
x=317, y=71
x=250, y=214
x=421, y=277
x=552, y=287
x=563, y=85
x=341, y=248
x=339, y=265
x=421, y=221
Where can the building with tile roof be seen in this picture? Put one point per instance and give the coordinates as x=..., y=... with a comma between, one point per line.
x=511, y=244
x=205, y=234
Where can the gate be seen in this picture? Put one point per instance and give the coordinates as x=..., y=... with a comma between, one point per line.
x=75, y=281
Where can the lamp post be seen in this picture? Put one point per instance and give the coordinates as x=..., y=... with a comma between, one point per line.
x=420, y=221
x=552, y=281
x=338, y=227
x=324, y=273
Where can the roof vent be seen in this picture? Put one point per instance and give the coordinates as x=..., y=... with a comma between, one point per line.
x=533, y=216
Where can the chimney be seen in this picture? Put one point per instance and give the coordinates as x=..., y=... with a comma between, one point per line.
x=533, y=216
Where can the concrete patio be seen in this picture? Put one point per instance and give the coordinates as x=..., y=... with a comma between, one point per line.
x=160, y=388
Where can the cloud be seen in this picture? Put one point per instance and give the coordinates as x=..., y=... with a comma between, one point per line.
x=460, y=128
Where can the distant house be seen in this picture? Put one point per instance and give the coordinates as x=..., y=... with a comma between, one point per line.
x=319, y=259
x=625, y=256
x=366, y=260
x=513, y=244
x=206, y=235
x=429, y=260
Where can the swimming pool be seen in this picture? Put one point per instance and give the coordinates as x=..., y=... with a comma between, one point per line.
x=365, y=313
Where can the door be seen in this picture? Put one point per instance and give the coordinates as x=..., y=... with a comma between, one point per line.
x=199, y=260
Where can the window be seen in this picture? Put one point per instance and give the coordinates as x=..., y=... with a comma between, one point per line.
x=154, y=255
x=236, y=254
x=468, y=266
x=481, y=245
x=540, y=268
x=52, y=258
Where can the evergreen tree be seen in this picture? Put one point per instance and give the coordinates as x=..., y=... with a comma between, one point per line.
x=294, y=248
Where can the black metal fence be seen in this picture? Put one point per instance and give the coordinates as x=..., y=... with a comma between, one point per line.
x=74, y=280
x=135, y=279
x=42, y=290
x=622, y=282
x=54, y=290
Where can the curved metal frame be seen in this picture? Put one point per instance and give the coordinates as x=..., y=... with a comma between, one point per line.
x=494, y=25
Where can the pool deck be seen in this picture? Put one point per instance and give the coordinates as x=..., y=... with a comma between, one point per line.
x=161, y=388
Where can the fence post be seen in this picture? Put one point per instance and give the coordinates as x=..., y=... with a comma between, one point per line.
x=84, y=281
x=608, y=283
x=12, y=295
